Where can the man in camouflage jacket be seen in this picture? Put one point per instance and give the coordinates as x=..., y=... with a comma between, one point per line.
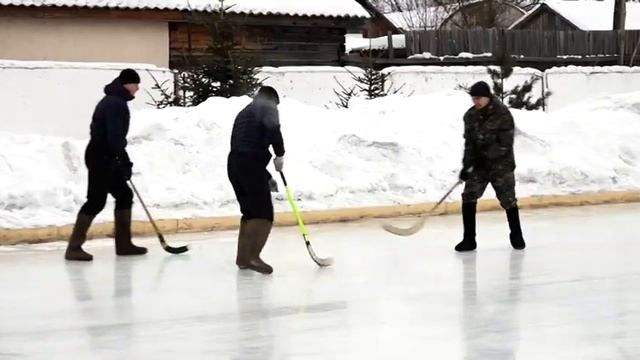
x=488, y=158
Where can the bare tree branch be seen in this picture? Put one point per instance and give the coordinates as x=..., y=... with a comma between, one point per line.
x=462, y=14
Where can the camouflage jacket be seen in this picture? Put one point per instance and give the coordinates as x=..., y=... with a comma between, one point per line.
x=488, y=135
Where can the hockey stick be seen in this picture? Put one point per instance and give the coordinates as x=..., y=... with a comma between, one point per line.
x=165, y=246
x=303, y=228
x=420, y=223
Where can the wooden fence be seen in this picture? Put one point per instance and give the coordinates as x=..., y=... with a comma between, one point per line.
x=527, y=43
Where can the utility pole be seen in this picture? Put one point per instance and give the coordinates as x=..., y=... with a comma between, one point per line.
x=619, y=17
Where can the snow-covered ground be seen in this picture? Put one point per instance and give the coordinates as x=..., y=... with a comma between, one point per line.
x=387, y=151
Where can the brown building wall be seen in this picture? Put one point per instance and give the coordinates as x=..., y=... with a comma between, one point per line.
x=85, y=40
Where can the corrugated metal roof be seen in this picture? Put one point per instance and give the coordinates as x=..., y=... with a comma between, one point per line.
x=326, y=8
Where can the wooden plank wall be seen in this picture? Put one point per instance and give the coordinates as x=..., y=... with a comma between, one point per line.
x=545, y=20
x=529, y=43
x=268, y=45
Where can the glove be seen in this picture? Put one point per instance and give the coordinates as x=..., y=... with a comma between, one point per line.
x=273, y=185
x=278, y=162
x=126, y=171
x=465, y=173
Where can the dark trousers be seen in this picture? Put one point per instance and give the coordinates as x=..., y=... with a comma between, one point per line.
x=250, y=180
x=104, y=181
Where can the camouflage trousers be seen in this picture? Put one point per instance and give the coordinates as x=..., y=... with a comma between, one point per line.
x=504, y=185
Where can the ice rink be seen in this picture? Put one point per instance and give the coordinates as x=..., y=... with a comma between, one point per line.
x=574, y=293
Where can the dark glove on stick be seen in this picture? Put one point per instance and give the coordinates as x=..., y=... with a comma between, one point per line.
x=465, y=173
x=273, y=185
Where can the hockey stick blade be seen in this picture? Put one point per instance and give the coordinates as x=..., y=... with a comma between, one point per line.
x=405, y=231
x=163, y=243
x=420, y=223
x=323, y=262
x=172, y=249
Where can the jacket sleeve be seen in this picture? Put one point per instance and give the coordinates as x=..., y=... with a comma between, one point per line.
x=504, y=136
x=468, y=158
x=271, y=121
x=116, y=117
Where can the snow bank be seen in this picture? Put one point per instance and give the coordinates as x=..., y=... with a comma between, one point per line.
x=387, y=151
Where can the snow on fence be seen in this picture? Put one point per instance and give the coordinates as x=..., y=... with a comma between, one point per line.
x=58, y=98
x=315, y=86
x=52, y=98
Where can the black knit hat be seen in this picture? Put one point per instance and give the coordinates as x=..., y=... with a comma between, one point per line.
x=268, y=93
x=480, y=89
x=129, y=76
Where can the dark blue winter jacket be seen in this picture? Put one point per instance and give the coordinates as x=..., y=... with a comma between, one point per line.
x=256, y=128
x=109, y=127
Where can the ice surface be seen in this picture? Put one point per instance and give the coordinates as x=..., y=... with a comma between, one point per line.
x=572, y=294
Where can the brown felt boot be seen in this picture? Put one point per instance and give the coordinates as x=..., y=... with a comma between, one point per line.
x=245, y=246
x=258, y=231
x=124, y=246
x=78, y=237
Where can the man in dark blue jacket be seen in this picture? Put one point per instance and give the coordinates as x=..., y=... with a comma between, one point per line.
x=109, y=168
x=256, y=128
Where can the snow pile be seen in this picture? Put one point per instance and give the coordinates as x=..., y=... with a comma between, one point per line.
x=387, y=151
x=331, y=8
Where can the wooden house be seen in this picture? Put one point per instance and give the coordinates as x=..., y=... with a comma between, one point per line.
x=161, y=32
x=585, y=15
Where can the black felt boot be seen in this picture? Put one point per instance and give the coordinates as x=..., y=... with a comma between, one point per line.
x=468, y=242
x=513, y=216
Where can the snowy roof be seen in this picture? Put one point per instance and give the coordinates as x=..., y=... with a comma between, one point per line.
x=433, y=17
x=328, y=8
x=589, y=15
